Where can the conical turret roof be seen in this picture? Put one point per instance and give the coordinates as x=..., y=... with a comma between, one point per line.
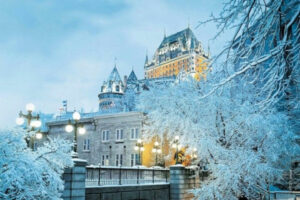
x=132, y=77
x=114, y=76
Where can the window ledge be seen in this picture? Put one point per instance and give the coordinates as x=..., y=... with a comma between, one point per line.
x=86, y=151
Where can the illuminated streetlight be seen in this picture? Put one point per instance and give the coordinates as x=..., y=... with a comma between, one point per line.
x=76, y=126
x=176, y=146
x=33, y=122
x=156, y=150
x=194, y=154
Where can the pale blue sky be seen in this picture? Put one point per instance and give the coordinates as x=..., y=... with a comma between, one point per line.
x=56, y=50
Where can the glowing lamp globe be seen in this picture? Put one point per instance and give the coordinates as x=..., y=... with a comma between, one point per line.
x=194, y=149
x=39, y=135
x=136, y=148
x=69, y=128
x=30, y=107
x=76, y=116
x=154, y=150
x=81, y=130
x=142, y=149
x=174, y=145
x=176, y=137
x=139, y=141
x=156, y=143
x=159, y=151
x=20, y=121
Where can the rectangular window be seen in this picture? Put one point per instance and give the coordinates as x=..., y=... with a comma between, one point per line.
x=134, y=134
x=119, y=134
x=105, y=135
x=105, y=160
x=119, y=159
x=86, y=144
x=134, y=159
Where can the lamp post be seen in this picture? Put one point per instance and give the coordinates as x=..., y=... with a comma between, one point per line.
x=32, y=122
x=177, y=146
x=75, y=126
x=156, y=150
x=139, y=146
x=194, y=155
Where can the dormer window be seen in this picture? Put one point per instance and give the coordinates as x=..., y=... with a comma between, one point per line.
x=117, y=88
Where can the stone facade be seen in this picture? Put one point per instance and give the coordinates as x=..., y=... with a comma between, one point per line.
x=109, y=138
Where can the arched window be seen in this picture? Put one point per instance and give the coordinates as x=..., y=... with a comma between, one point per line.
x=117, y=88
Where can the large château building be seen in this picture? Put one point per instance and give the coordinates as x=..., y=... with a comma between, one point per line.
x=112, y=132
x=177, y=52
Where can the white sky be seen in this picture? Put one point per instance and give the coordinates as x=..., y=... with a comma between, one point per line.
x=54, y=50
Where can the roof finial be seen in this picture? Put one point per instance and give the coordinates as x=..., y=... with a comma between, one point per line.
x=188, y=22
x=115, y=61
x=165, y=33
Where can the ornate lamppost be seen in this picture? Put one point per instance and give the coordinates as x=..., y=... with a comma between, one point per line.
x=177, y=146
x=194, y=155
x=77, y=127
x=139, y=146
x=156, y=150
x=32, y=123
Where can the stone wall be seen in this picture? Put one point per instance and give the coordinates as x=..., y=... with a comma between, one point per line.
x=129, y=192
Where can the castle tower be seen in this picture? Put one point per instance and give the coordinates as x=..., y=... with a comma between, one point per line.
x=179, y=51
x=111, y=93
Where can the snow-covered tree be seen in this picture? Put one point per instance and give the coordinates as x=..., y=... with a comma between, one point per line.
x=246, y=148
x=264, y=51
x=31, y=175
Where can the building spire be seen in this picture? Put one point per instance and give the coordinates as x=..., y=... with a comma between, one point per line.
x=165, y=33
x=208, y=49
x=146, y=60
x=188, y=22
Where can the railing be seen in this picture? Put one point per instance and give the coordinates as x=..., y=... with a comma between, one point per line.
x=109, y=175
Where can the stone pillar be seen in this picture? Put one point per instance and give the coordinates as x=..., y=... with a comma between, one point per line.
x=75, y=181
x=182, y=180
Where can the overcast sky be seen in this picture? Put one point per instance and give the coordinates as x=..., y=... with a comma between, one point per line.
x=53, y=50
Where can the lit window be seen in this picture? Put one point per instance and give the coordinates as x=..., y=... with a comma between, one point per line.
x=86, y=144
x=105, y=135
x=119, y=134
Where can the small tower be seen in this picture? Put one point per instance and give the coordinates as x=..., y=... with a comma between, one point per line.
x=111, y=93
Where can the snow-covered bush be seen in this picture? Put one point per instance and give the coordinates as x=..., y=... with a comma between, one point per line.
x=27, y=174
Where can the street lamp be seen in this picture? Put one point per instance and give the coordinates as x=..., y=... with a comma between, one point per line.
x=139, y=146
x=194, y=155
x=77, y=127
x=33, y=122
x=176, y=146
x=156, y=150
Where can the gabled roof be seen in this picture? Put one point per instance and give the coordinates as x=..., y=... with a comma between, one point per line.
x=114, y=76
x=184, y=35
x=132, y=77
